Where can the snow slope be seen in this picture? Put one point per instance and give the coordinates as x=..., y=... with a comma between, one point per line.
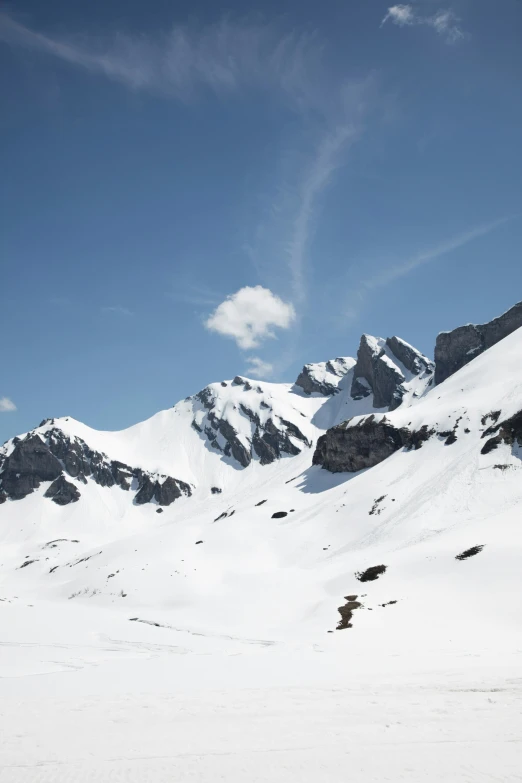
x=195, y=644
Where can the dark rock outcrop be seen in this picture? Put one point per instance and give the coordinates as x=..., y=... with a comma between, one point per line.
x=347, y=611
x=371, y=574
x=234, y=446
x=314, y=378
x=377, y=370
x=418, y=437
x=270, y=440
x=508, y=431
x=471, y=552
x=164, y=493
x=413, y=360
x=45, y=457
x=455, y=349
x=360, y=389
x=30, y=463
x=346, y=448
x=62, y=492
x=270, y=443
x=388, y=389
x=367, y=353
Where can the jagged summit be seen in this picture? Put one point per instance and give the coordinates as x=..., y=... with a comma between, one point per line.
x=201, y=446
x=391, y=369
x=245, y=420
x=324, y=377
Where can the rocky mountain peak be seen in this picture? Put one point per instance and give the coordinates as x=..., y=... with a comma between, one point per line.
x=324, y=377
x=386, y=368
x=244, y=420
x=49, y=455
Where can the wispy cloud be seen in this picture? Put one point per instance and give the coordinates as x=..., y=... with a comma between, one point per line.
x=117, y=310
x=325, y=162
x=258, y=368
x=431, y=254
x=389, y=274
x=227, y=58
x=223, y=57
x=400, y=14
x=281, y=248
x=444, y=21
x=6, y=405
x=187, y=292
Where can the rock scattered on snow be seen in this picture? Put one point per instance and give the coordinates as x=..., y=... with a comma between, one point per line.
x=371, y=574
x=346, y=612
x=474, y=550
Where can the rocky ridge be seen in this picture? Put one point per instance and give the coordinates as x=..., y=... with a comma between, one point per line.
x=350, y=447
x=29, y=461
x=384, y=367
x=455, y=349
x=244, y=421
x=268, y=435
x=324, y=377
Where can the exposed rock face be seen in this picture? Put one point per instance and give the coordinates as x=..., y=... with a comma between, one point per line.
x=413, y=360
x=455, y=349
x=271, y=443
x=388, y=380
x=381, y=367
x=62, y=492
x=269, y=439
x=163, y=493
x=375, y=372
x=34, y=460
x=30, y=463
x=369, y=349
x=508, y=431
x=346, y=613
x=346, y=448
x=323, y=377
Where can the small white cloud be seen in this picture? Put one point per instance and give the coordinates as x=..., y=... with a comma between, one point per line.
x=400, y=14
x=444, y=22
x=6, y=405
x=259, y=368
x=250, y=316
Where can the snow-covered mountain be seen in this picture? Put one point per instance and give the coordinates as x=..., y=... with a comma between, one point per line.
x=212, y=454
x=259, y=518
x=200, y=444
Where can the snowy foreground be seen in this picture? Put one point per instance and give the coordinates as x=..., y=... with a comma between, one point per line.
x=200, y=643
x=122, y=706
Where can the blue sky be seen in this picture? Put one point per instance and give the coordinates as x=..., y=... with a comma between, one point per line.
x=190, y=191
